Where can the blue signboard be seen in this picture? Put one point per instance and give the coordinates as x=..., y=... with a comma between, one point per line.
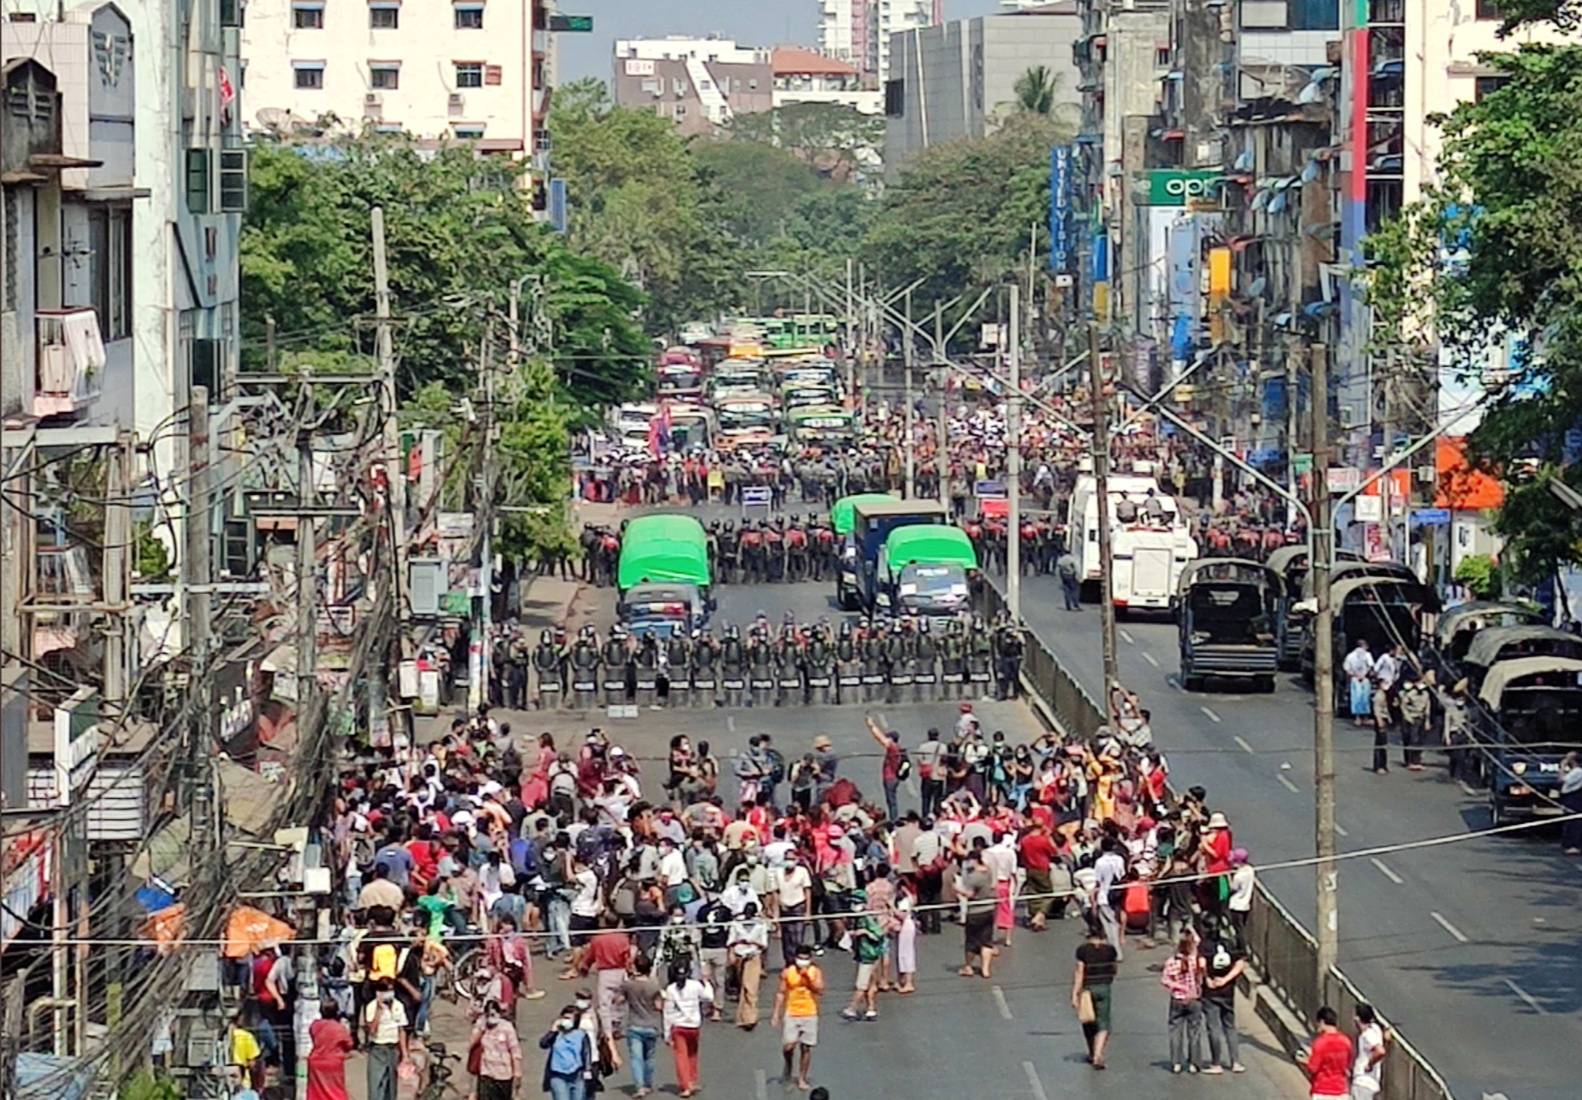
x=1059, y=206
x=1101, y=256
x=557, y=205
x=1431, y=517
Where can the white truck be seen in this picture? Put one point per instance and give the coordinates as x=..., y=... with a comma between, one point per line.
x=1149, y=540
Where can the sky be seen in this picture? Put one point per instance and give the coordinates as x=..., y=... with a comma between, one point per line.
x=750, y=22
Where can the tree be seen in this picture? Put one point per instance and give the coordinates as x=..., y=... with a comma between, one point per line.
x=1496, y=250
x=755, y=186
x=1035, y=90
x=840, y=142
x=962, y=214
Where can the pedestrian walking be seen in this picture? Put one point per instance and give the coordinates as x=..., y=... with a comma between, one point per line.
x=331, y=1043
x=496, y=1058
x=1371, y=1049
x=1328, y=1061
x=1416, y=700
x=867, y=947
x=749, y=943
x=684, y=999
x=1092, y=986
x=1037, y=854
x=643, y=999
x=796, y=1013
x=1070, y=586
x=1183, y=977
x=976, y=889
x=568, y=1062
x=1224, y=961
x=905, y=944
x=386, y=1023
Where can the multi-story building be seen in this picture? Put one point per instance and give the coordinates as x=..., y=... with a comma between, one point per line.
x=844, y=30
x=466, y=70
x=700, y=83
x=956, y=79
x=803, y=76
x=859, y=31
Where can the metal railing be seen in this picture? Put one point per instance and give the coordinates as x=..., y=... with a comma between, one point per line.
x=1285, y=954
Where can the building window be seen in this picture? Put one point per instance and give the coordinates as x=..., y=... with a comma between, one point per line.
x=752, y=83
x=1162, y=57
x=468, y=132
x=384, y=17
x=469, y=17
x=1486, y=84
x=233, y=181
x=1313, y=15
x=469, y=74
x=110, y=236
x=197, y=180
x=1489, y=9
x=895, y=98
x=307, y=17
x=385, y=78
x=230, y=13
x=310, y=76
x=205, y=364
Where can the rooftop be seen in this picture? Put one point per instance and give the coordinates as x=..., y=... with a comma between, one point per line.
x=799, y=59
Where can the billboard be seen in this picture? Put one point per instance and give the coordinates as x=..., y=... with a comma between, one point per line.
x=1179, y=186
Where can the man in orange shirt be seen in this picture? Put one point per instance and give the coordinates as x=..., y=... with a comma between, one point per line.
x=796, y=1002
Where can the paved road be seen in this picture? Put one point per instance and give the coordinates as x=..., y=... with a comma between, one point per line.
x=1014, y=1037
x=1473, y=949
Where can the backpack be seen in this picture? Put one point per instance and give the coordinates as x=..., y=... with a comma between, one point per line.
x=903, y=769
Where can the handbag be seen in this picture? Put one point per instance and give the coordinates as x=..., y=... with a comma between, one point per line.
x=475, y=1056
x=1085, y=1012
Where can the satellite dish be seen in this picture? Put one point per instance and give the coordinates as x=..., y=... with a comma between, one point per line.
x=274, y=118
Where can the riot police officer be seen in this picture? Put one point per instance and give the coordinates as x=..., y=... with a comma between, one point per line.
x=953, y=661
x=848, y=666
x=1008, y=645
x=820, y=666
x=705, y=668
x=645, y=663
x=585, y=667
x=979, y=656
x=787, y=656
x=549, y=663
x=898, y=659
x=614, y=659
x=925, y=675
x=729, y=554
x=760, y=674
x=873, y=661
x=733, y=667
x=678, y=668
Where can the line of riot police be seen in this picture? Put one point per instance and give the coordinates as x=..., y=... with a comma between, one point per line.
x=780, y=549
x=870, y=660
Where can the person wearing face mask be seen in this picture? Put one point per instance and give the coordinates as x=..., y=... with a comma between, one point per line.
x=568, y=1065
x=796, y=1002
x=387, y=1025
x=683, y=1000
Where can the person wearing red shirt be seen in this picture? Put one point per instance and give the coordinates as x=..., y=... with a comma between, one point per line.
x=609, y=953
x=1328, y=1062
x=1037, y=852
x=1216, y=848
x=425, y=856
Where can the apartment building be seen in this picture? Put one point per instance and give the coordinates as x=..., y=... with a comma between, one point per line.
x=859, y=31
x=804, y=76
x=699, y=83
x=467, y=70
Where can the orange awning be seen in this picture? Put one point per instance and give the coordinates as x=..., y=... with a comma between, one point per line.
x=248, y=929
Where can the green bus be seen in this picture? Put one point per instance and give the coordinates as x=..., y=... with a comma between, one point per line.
x=830, y=424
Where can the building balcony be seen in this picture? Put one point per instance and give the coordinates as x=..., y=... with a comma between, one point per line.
x=71, y=362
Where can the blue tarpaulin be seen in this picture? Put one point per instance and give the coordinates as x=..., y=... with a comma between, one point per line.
x=48, y=1077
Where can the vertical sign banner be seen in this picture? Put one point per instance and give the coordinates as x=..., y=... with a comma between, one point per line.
x=1059, y=206
x=1218, y=291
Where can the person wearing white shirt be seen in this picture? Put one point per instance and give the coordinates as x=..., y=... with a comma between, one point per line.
x=749, y=943
x=1110, y=869
x=684, y=999
x=796, y=896
x=672, y=864
x=1358, y=667
x=1371, y=1049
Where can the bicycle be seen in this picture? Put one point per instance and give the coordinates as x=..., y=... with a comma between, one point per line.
x=439, y=1072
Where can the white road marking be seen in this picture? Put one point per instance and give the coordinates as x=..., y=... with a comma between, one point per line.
x=1527, y=998
x=1127, y=638
x=1384, y=870
x=1340, y=830
x=1242, y=741
x=1456, y=933
x=1175, y=683
x=760, y=1085
x=730, y=722
x=1033, y=1082
x=1212, y=717
x=1001, y=1004
x=1287, y=784
x=1149, y=657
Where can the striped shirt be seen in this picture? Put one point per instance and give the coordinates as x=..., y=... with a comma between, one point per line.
x=1183, y=978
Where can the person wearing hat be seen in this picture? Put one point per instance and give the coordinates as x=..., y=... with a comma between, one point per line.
x=1242, y=885
x=1215, y=849
x=1416, y=702
x=867, y=947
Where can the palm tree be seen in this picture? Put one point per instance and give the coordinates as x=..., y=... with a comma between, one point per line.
x=1035, y=90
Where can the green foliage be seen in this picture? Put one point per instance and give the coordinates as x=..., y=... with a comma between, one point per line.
x=153, y=560
x=836, y=140
x=145, y=1085
x=963, y=212
x=1035, y=90
x=1566, y=15
x=1481, y=574
x=458, y=230
x=756, y=186
x=1495, y=255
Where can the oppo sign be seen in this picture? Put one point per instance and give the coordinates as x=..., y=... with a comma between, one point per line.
x=1174, y=187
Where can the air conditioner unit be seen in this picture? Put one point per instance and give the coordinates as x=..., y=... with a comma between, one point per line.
x=457, y=100
x=1425, y=474
x=371, y=99
x=1495, y=379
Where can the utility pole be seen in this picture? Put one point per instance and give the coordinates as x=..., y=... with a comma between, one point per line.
x=395, y=477
x=1101, y=485
x=480, y=649
x=309, y=717
x=942, y=451
x=1322, y=541
x=1013, y=464
x=851, y=337
x=907, y=447
x=117, y=573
